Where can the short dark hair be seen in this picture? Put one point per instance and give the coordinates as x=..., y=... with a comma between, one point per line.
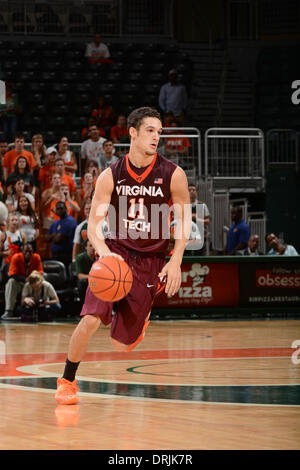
x=136, y=117
x=19, y=136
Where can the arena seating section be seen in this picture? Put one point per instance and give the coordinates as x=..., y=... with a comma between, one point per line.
x=57, y=88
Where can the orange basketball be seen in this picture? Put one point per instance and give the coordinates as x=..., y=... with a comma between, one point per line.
x=110, y=279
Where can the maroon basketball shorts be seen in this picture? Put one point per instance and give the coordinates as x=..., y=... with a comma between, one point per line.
x=129, y=317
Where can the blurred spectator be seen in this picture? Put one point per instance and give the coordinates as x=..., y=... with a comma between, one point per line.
x=38, y=150
x=108, y=157
x=205, y=221
x=252, y=248
x=11, y=156
x=28, y=220
x=91, y=149
x=49, y=198
x=194, y=246
x=278, y=248
x=39, y=300
x=45, y=173
x=59, y=167
x=18, y=191
x=83, y=264
x=61, y=234
x=93, y=168
x=72, y=205
x=168, y=120
x=3, y=151
x=80, y=235
x=11, y=239
x=68, y=156
x=119, y=130
x=9, y=114
x=173, y=97
x=85, y=133
x=3, y=216
x=104, y=113
x=96, y=51
x=238, y=234
x=21, y=266
x=1, y=192
x=176, y=145
x=21, y=170
x=86, y=190
x=58, y=192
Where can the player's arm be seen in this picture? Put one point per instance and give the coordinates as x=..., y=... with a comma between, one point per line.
x=99, y=209
x=182, y=214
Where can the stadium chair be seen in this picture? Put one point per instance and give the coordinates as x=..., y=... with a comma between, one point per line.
x=75, y=65
x=40, y=110
x=36, y=87
x=113, y=77
x=49, y=76
x=11, y=64
x=56, y=122
x=55, y=272
x=50, y=138
x=83, y=87
x=33, y=65
x=61, y=109
x=74, y=136
x=81, y=98
x=130, y=88
x=28, y=54
x=59, y=87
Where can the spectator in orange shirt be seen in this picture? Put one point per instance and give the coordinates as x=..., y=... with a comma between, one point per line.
x=3, y=151
x=85, y=133
x=45, y=173
x=119, y=130
x=11, y=156
x=59, y=191
x=104, y=113
x=21, y=265
x=59, y=167
x=176, y=145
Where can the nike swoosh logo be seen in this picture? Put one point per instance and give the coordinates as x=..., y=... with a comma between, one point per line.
x=150, y=285
x=120, y=181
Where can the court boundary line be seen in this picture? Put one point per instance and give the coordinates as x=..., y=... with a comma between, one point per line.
x=164, y=400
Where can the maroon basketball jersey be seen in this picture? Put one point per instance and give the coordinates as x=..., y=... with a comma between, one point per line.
x=139, y=217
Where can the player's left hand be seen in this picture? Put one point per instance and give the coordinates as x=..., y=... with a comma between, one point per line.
x=172, y=272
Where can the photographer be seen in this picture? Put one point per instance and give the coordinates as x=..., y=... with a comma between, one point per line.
x=39, y=300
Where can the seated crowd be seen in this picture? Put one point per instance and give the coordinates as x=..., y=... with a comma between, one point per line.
x=44, y=210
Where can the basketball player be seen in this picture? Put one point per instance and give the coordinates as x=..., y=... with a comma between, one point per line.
x=142, y=179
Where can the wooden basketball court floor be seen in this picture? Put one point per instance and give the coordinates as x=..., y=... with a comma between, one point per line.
x=189, y=385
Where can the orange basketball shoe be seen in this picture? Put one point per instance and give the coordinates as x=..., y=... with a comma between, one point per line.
x=66, y=392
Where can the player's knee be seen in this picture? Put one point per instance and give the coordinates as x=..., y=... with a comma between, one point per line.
x=91, y=322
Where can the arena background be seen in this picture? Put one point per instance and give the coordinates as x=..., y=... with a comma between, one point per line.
x=239, y=63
